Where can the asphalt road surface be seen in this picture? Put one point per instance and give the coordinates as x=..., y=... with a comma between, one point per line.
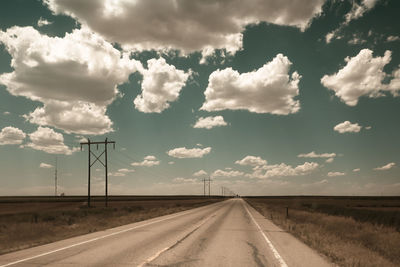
x=228, y=233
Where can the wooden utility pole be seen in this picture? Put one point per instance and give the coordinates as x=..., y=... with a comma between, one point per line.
x=55, y=178
x=105, y=164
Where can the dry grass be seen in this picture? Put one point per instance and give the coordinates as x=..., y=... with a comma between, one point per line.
x=24, y=225
x=345, y=240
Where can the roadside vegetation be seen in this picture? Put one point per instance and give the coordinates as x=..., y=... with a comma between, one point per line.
x=27, y=222
x=352, y=231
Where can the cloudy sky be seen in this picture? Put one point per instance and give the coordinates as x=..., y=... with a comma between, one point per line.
x=266, y=97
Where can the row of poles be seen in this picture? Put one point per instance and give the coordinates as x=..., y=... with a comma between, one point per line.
x=97, y=158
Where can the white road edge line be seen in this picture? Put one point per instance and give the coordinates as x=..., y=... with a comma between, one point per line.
x=274, y=251
x=95, y=239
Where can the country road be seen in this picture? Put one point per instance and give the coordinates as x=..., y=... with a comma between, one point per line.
x=228, y=233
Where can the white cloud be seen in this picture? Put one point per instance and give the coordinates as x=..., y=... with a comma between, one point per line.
x=356, y=40
x=347, y=127
x=11, y=136
x=329, y=160
x=43, y=22
x=270, y=89
x=161, y=85
x=117, y=174
x=200, y=173
x=362, y=76
x=385, y=167
x=356, y=170
x=125, y=170
x=251, y=161
x=150, y=157
x=74, y=77
x=184, y=25
x=280, y=170
x=222, y=173
x=49, y=141
x=392, y=38
x=333, y=174
x=312, y=154
x=184, y=180
x=358, y=9
x=210, y=122
x=171, y=162
x=6, y=113
x=148, y=161
x=183, y=152
x=45, y=166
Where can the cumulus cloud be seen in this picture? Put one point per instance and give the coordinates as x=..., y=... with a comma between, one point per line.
x=210, y=122
x=333, y=174
x=49, y=141
x=347, y=127
x=270, y=89
x=200, y=173
x=45, y=165
x=312, y=154
x=362, y=76
x=222, y=173
x=148, y=161
x=43, y=22
x=385, y=167
x=74, y=77
x=183, y=152
x=280, y=170
x=11, y=136
x=184, y=180
x=251, y=161
x=161, y=85
x=184, y=25
x=356, y=170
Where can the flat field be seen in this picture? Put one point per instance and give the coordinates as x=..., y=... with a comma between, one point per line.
x=351, y=231
x=31, y=221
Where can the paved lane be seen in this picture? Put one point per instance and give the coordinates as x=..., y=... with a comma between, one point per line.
x=228, y=233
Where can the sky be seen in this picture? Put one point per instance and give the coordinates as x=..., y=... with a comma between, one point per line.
x=264, y=97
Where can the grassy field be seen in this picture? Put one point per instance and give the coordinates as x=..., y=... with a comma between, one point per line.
x=31, y=221
x=350, y=231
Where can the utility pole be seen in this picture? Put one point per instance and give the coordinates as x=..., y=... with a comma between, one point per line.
x=204, y=186
x=97, y=158
x=55, y=178
x=209, y=185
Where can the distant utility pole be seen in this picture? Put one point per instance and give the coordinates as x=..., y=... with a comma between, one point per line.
x=105, y=164
x=204, y=186
x=55, y=178
x=209, y=185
